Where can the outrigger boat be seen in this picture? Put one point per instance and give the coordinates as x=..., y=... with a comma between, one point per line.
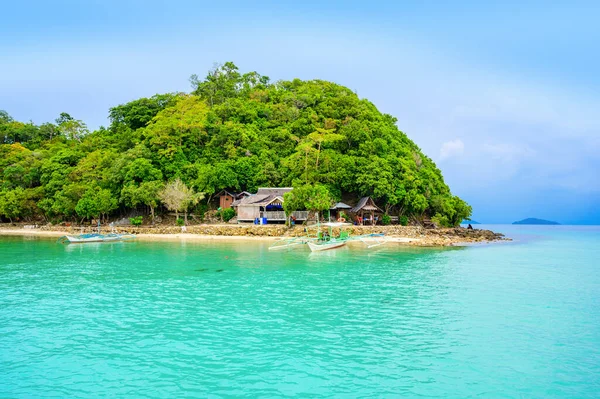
x=94, y=237
x=325, y=240
x=288, y=243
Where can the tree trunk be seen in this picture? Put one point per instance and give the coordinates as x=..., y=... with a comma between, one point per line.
x=387, y=209
x=185, y=218
x=152, y=213
x=306, y=167
x=318, y=154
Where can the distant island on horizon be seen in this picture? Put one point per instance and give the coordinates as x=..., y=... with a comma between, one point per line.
x=536, y=221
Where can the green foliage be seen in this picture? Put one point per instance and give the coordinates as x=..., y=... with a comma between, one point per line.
x=403, y=220
x=95, y=203
x=11, y=203
x=314, y=198
x=235, y=131
x=441, y=220
x=136, y=220
x=138, y=113
x=226, y=214
x=87, y=208
x=386, y=220
x=180, y=222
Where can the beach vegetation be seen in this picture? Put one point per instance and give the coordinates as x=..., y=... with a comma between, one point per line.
x=136, y=220
x=226, y=214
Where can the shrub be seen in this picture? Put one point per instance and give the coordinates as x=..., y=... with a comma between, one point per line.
x=201, y=210
x=227, y=214
x=136, y=221
x=180, y=222
x=386, y=220
x=403, y=220
x=441, y=220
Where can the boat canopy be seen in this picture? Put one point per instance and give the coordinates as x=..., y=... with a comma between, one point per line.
x=331, y=224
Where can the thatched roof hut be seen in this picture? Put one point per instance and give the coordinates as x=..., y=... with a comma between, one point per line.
x=367, y=206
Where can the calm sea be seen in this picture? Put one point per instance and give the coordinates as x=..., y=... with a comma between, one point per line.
x=212, y=320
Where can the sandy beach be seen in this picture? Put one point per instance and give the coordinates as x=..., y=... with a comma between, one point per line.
x=409, y=235
x=173, y=237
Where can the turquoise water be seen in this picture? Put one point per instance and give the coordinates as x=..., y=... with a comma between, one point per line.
x=156, y=320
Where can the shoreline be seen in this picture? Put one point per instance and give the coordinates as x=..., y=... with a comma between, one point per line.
x=174, y=236
x=401, y=235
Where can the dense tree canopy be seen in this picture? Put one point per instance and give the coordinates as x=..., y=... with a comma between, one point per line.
x=233, y=131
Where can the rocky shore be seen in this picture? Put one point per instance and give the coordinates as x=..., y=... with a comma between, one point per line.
x=409, y=235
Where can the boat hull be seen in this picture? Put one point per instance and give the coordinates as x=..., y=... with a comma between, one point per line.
x=94, y=238
x=316, y=247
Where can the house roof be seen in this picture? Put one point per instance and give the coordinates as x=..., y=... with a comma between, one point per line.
x=365, y=204
x=341, y=205
x=224, y=192
x=273, y=191
x=231, y=194
x=258, y=200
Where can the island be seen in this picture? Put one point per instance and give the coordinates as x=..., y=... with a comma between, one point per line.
x=237, y=155
x=536, y=221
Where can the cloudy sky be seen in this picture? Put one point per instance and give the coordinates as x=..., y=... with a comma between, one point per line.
x=505, y=98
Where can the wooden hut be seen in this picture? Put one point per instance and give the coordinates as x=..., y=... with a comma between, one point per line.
x=366, y=211
x=267, y=204
x=227, y=199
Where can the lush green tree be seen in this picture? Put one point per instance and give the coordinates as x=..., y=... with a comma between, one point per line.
x=138, y=113
x=73, y=129
x=313, y=198
x=11, y=203
x=96, y=203
x=87, y=207
x=146, y=193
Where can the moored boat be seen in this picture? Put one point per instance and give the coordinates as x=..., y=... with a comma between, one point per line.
x=325, y=240
x=325, y=245
x=288, y=243
x=94, y=237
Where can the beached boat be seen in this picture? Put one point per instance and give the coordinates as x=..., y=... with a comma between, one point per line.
x=325, y=245
x=95, y=237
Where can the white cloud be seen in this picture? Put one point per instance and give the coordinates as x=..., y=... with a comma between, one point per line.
x=450, y=149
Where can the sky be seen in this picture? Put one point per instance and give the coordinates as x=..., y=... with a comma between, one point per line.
x=503, y=96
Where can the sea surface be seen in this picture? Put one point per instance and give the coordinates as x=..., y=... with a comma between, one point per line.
x=233, y=320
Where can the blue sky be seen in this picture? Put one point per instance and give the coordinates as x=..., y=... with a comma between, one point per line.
x=503, y=97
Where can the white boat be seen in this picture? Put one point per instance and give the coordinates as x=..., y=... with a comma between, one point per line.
x=325, y=245
x=325, y=240
x=84, y=238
